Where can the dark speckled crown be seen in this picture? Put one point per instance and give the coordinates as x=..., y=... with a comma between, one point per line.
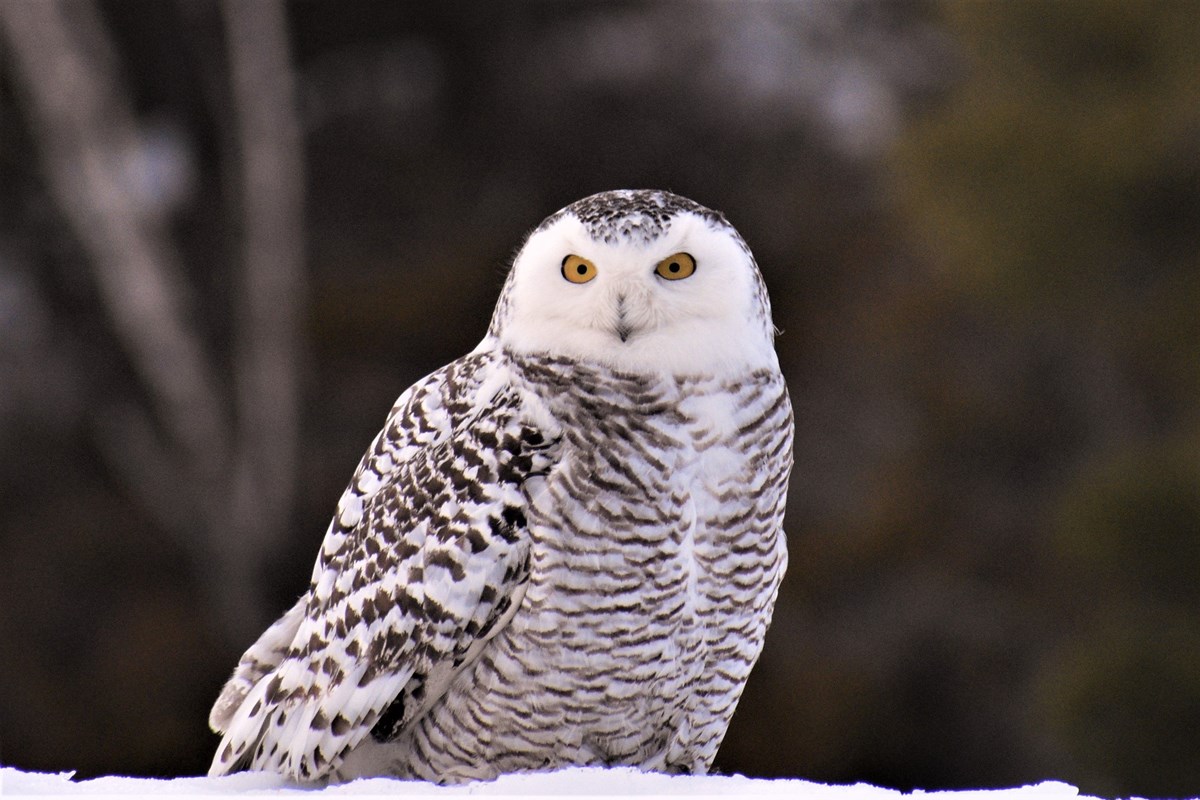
x=639, y=214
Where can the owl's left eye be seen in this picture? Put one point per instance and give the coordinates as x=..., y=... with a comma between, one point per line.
x=676, y=267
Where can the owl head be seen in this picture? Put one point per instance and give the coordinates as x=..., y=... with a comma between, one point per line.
x=639, y=281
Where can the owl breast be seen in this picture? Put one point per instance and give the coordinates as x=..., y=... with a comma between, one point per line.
x=655, y=557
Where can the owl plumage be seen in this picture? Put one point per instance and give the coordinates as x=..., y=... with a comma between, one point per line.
x=563, y=548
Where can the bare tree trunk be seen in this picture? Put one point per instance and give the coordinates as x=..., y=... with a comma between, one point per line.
x=83, y=126
x=218, y=475
x=266, y=354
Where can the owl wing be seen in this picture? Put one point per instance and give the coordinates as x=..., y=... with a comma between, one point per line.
x=425, y=561
x=425, y=414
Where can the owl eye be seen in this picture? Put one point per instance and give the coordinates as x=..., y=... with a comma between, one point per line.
x=676, y=267
x=577, y=269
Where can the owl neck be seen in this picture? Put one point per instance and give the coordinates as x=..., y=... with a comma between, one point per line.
x=688, y=350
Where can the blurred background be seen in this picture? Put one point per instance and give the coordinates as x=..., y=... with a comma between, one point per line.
x=231, y=233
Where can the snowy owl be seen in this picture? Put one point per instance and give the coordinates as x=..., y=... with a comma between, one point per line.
x=564, y=548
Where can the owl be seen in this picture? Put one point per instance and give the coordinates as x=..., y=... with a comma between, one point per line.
x=563, y=548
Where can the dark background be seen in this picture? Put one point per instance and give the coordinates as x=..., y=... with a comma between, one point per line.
x=232, y=233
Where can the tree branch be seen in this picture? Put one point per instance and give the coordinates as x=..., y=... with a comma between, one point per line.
x=83, y=127
x=272, y=280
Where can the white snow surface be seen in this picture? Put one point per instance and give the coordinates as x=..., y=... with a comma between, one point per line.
x=575, y=782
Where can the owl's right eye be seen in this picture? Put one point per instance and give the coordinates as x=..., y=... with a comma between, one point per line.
x=578, y=269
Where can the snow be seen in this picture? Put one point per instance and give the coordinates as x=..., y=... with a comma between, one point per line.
x=577, y=782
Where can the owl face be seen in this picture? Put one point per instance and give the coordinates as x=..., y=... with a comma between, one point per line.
x=638, y=281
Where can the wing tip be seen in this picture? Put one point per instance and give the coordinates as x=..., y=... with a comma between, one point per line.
x=232, y=696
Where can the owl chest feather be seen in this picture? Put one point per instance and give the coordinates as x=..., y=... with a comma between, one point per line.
x=626, y=594
x=618, y=652
x=623, y=514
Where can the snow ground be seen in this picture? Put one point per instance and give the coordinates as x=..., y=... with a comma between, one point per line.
x=577, y=782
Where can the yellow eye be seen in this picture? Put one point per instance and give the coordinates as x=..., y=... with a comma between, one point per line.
x=676, y=267
x=577, y=269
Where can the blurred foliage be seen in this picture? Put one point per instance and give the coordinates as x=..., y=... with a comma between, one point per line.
x=1064, y=167
x=980, y=223
x=1055, y=192
x=1123, y=696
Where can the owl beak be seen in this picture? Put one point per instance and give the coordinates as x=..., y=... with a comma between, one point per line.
x=623, y=329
